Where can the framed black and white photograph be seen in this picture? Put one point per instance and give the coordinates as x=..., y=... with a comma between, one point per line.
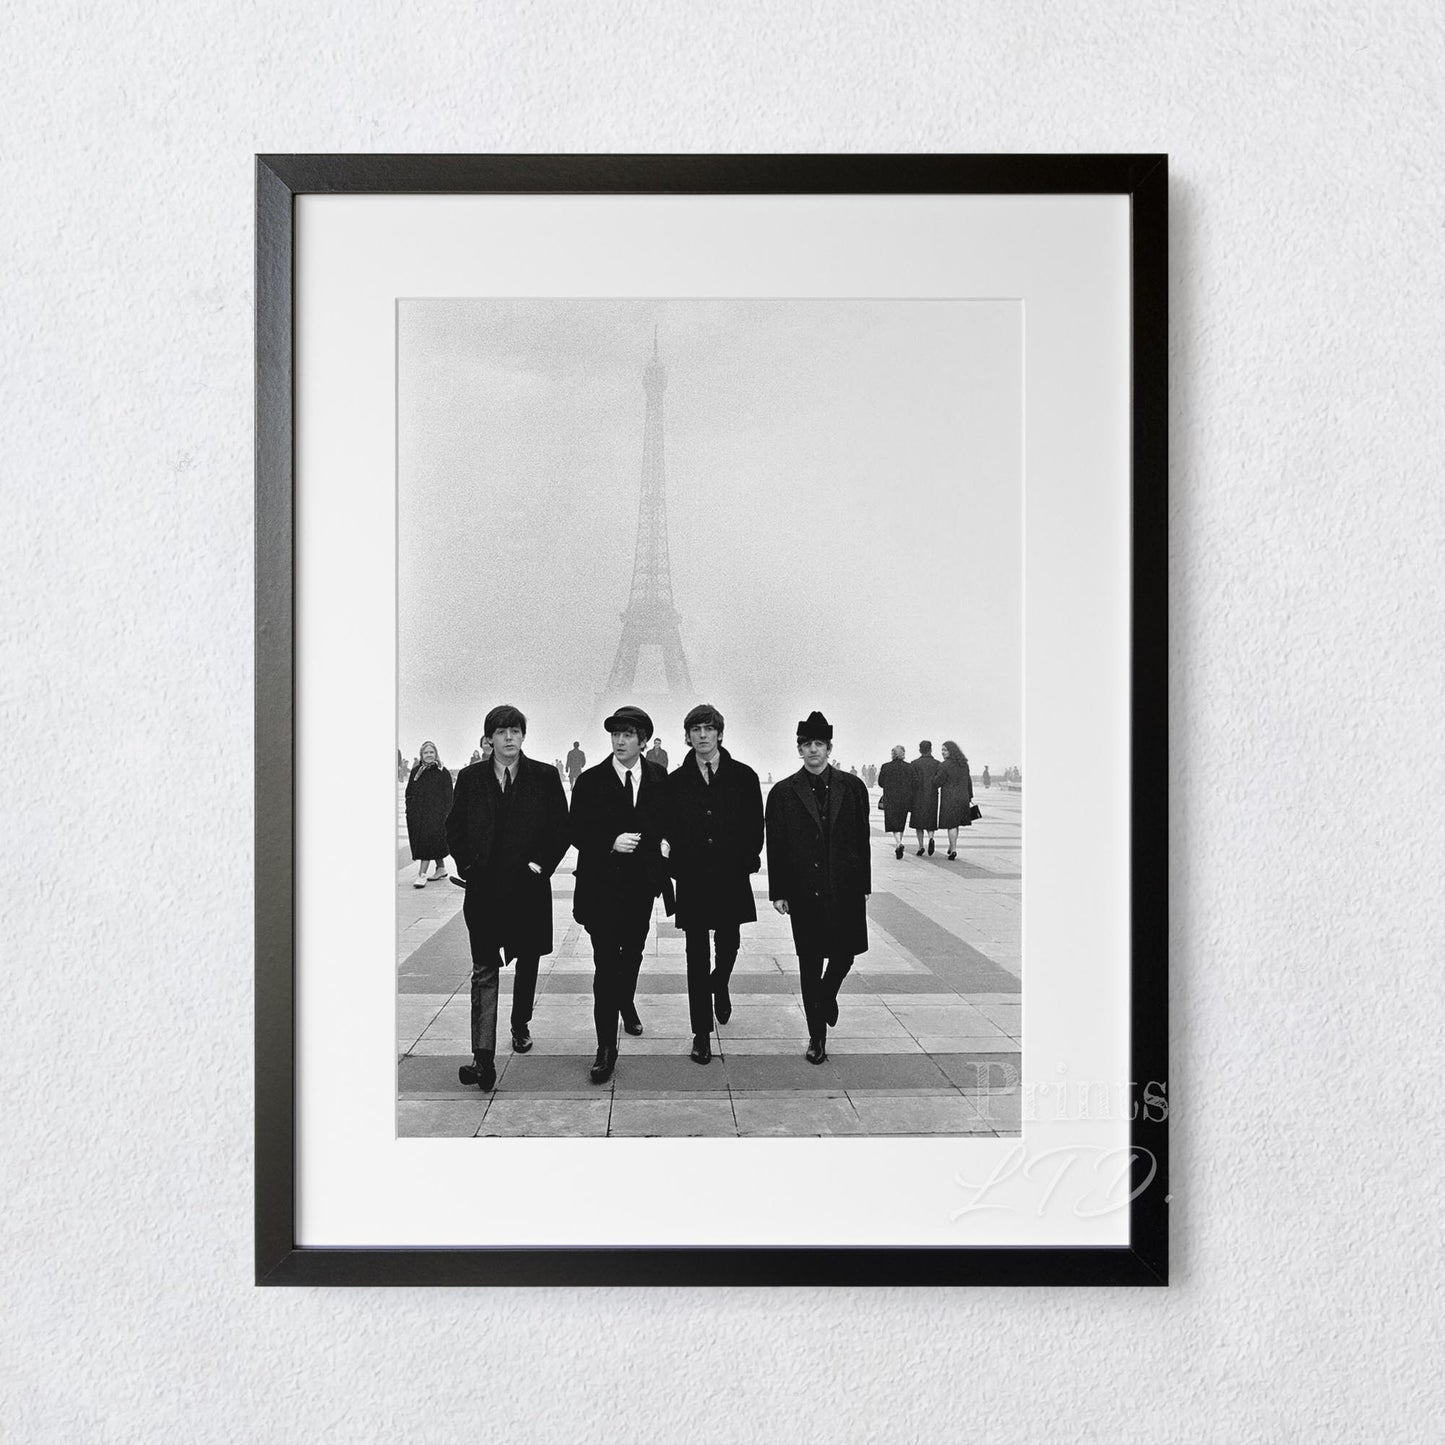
x=711, y=719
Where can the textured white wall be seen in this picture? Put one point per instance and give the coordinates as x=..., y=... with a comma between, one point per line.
x=1307, y=692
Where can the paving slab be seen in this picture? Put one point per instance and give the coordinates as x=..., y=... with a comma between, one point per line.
x=837, y=1043
x=1009, y=1017
x=900, y=1002
x=958, y=1023
x=433, y=1119
x=671, y=1118
x=459, y=1046
x=584, y=1046
x=998, y=1042
x=836, y=1092
x=676, y=1073
x=787, y=999
x=895, y=984
x=430, y=1002
x=547, y=1118
x=944, y=953
x=435, y=1075
x=752, y=983
x=765, y=1024
x=780, y=1072
x=895, y=1114
x=1001, y=1112
x=562, y=1008
x=870, y=1023
x=886, y=1072
x=975, y=1072
x=789, y=1116
x=447, y=1031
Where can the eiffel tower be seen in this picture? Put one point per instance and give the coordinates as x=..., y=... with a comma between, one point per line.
x=651, y=619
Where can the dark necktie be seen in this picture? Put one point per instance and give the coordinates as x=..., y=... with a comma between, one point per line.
x=707, y=774
x=506, y=781
x=631, y=800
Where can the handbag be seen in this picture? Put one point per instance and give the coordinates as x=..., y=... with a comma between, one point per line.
x=973, y=813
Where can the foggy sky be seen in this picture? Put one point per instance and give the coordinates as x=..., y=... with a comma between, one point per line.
x=844, y=504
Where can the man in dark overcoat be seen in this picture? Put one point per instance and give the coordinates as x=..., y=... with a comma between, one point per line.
x=507, y=832
x=925, y=795
x=820, y=873
x=715, y=833
x=576, y=761
x=617, y=823
x=895, y=777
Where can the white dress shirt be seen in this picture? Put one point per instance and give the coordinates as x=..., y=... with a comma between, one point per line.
x=635, y=770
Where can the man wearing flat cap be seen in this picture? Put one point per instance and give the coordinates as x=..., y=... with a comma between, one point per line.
x=715, y=831
x=820, y=873
x=507, y=831
x=617, y=823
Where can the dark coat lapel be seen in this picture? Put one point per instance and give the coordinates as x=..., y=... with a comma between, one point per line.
x=804, y=789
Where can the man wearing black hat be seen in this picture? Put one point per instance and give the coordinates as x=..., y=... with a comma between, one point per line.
x=715, y=831
x=820, y=873
x=617, y=823
x=507, y=831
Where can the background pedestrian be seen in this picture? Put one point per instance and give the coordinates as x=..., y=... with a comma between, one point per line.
x=896, y=779
x=925, y=795
x=428, y=801
x=955, y=794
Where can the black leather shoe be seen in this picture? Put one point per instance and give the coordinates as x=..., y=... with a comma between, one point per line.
x=482, y=1074
x=521, y=1040
x=603, y=1065
x=722, y=1005
x=919, y=854
x=952, y=856
x=898, y=851
x=701, y=1049
x=930, y=847
x=816, y=1052
x=832, y=1011
x=631, y=1022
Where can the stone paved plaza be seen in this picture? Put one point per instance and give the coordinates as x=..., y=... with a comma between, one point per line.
x=927, y=1039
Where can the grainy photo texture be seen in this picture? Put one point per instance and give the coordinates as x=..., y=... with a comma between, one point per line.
x=709, y=770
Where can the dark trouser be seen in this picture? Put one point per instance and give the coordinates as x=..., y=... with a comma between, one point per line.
x=699, y=963
x=819, y=990
x=617, y=946
x=486, y=968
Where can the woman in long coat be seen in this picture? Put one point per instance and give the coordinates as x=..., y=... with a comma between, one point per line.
x=428, y=801
x=896, y=781
x=955, y=794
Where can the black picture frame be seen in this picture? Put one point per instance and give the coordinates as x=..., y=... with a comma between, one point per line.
x=280, y=179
